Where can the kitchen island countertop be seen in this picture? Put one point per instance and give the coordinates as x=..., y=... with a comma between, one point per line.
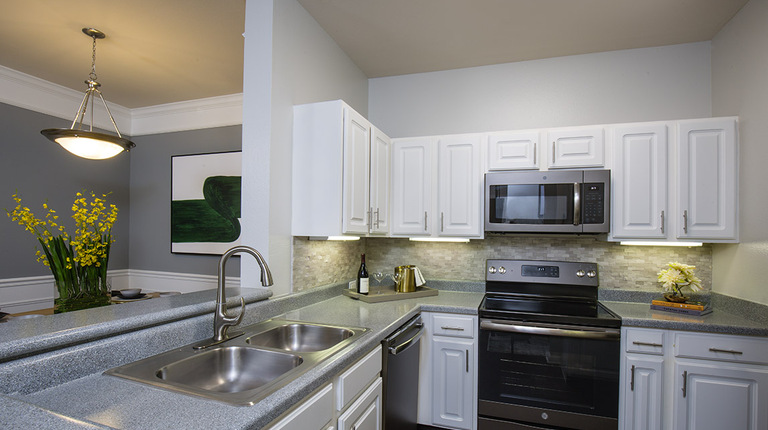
x=96, y=400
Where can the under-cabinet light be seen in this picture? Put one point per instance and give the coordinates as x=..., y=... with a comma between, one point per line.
x=440, y=239
x=337, y=238
x=658, y=243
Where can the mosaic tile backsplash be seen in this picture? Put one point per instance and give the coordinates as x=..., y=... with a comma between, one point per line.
x=317, y=263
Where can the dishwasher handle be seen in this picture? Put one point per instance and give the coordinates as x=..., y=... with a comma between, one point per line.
x=397, y=349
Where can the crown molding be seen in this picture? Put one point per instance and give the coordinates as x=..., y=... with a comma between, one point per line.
x=188, y=115
x=28, y=92
x=38, y=95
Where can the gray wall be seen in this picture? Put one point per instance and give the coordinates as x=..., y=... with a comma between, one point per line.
x=739, y=74
x=669, y=82
x=39, y=169
x=150, y=193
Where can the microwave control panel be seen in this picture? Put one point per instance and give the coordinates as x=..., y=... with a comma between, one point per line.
x=593, y=207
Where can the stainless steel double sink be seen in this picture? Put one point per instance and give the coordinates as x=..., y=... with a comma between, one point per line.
x=243, y=369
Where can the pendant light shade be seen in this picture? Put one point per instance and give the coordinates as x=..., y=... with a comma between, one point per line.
x=87, y=143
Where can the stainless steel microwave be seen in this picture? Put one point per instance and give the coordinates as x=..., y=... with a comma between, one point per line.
x=559, y=201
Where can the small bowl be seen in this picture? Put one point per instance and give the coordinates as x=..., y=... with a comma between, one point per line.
x=130, y=293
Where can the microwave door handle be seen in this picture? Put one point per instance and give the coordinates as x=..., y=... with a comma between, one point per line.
x=576, y=203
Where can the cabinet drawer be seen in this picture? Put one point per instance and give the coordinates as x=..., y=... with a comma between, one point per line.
x=313, y=413
x=454, y=325
x=645, y=341
x=738, y=349
x=355, y=379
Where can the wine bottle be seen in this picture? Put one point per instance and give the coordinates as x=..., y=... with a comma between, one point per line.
x=362, y=277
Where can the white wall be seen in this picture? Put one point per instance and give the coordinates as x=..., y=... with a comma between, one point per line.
x=740, y=87
x=670, y=82
x=296, y=62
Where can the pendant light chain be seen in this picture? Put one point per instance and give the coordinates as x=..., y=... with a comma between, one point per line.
x=92, y=75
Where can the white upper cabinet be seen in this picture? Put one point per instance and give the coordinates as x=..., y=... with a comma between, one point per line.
x=460, y=186
x=675, y=181
x=412, y=186
x=708, y=176
x=357, y=144
x=514, y=150
x=381, y=161
x=576, y=147
x=640, y=181
x=437, y=186
x=340, y=172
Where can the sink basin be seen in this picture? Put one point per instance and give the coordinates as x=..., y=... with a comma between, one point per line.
x=242, y=370
x=231, y=369
x=301, y=337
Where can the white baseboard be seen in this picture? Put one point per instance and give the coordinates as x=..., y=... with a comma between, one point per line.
x=37, y=292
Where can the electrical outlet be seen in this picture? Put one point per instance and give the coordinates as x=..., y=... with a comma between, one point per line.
x=352, y=285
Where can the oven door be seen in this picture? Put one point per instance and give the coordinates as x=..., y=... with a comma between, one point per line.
x=546, y=376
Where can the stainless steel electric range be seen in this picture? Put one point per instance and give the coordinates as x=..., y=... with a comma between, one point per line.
x=548, y=351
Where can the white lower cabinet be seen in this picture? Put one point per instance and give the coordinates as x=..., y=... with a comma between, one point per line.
x=314, y=413
x=366, y=412
x=693, y=381
x=352, y=401
x=448, y=375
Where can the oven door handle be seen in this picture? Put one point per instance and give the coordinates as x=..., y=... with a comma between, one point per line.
x=583, y=333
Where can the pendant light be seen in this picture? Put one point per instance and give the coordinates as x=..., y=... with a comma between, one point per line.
x=87, y=143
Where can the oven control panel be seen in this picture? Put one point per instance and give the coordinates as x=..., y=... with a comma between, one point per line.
x=538, y=271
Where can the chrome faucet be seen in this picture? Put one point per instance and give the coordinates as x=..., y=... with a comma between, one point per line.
x=221, y=319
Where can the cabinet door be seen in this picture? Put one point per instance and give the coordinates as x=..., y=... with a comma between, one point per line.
x=513, y=150
x=314, y=413
x=452, y=383
x=357, y=132
x=576, y=147
x=365, y=413
x=459, y=186
x=707, y=165
x=714, y=396
x=640, y=182
x=381, y=146
x=643, y=395
x=412, y=186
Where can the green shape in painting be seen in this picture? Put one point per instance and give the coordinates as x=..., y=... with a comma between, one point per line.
x=214, y=219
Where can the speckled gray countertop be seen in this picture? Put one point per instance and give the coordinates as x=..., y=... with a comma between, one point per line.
x=97, y=399
x=19, y=338
x=62, y=385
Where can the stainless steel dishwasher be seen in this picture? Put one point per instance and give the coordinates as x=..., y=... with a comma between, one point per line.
x=400, y=371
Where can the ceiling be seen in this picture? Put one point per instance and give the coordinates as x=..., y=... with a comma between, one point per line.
x=163, y=51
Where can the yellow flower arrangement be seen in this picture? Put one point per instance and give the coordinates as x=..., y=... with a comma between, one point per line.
x=677, y=277
x=79, y=262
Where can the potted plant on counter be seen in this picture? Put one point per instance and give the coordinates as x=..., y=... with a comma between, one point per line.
x=78, y=262
x=676, y=278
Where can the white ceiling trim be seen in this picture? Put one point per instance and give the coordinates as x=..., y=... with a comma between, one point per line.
x=189, y=115
x=29, y=92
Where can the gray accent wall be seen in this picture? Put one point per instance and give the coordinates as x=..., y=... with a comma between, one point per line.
x=41, y=170
x=150, y=185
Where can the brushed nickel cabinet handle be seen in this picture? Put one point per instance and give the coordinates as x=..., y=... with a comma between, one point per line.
x=685, y=221
x=452, y=328
x=466, y=356
x=685, y=383
x=442, y=221
x=425, y=220
x=534, y=153
x=632, y=379
x=662, y=222
x=553, y=152
x=655, y=345
x=729, y=351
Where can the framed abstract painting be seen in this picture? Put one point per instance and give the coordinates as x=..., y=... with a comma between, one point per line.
x=205, y=202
